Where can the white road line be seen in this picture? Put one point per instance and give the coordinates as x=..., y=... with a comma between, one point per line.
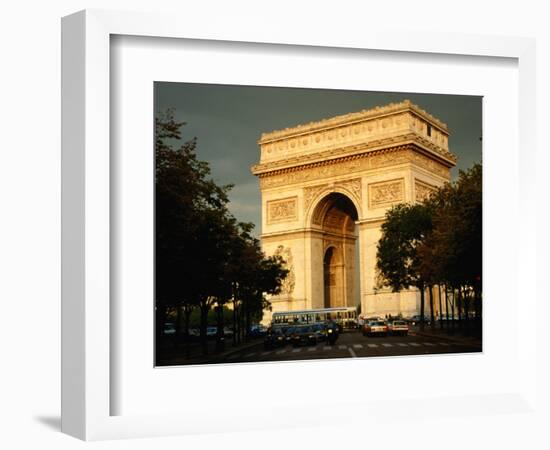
x=430, y=344
x=326, y=347
x=296, y=350
x=372, y=345
x=249, y=355
x=280, y=352
x=415, y=344
x=265, y=353
x=311, y=349
x=352, y=353
x=387, y=345
x=357, y=345
x=446, y=344
x=233, y=356
x=342, y=347
x=402, y=344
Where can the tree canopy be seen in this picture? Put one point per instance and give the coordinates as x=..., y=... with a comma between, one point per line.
x=437, y=241
x=204, y=255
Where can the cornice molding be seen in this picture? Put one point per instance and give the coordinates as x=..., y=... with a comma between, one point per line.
x=347, y=119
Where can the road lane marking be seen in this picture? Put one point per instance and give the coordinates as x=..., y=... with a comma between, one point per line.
x=387, y=345
x=352, y=353
x=342, y=347
x=296, y=350
x=372, y=345
x=280, y=352
x=327, y=347
x=430, y=344
x=249, y=355
x=446, y=344
x=415, y=344
x=357, y=345
x=233, y=356
x=402, y=344
x=311, y=349
x=265, y=353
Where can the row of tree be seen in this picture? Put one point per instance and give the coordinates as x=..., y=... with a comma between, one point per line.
x=205, y=258
x=436, y=244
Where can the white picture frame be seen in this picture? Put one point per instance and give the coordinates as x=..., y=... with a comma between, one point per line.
x=87, y=385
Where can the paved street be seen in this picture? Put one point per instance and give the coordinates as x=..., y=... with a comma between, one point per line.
x=351, y=345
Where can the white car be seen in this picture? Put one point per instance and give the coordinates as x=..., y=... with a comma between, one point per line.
x=398, y=327
x=375, y=328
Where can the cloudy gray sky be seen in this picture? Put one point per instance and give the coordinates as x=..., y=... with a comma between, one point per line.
x=228, y=121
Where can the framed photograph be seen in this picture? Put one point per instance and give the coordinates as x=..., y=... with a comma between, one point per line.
x=291, y=215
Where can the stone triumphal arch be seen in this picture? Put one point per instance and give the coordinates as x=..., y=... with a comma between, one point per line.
x=325, y=188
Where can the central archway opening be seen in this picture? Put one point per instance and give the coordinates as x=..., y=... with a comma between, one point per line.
x=336, y=215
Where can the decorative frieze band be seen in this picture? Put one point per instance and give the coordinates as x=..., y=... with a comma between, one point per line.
x=423, y=190
x=345, y=166
x=283, y=210
x=386, y=193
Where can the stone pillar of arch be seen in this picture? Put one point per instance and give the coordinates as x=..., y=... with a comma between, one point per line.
x=326, y=185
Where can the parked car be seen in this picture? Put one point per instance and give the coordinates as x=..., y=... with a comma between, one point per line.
x=415, y=320
x=375, y=328
x=169, y=329
x=211, y=332
x=398, y=327
x=274, y=337
x=228, y=332
x=257, y=331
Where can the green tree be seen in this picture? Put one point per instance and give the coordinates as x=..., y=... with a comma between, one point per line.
x=202, y=252
x=399, y=261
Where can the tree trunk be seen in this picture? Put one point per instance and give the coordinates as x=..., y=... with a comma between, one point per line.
x=159, y=327
x=459, y=305
x=432, y=315
x=220, y=338
x=204, y=323
x=422, y=308
x=447, y=305
x=234, y=322
x=453, y=308
x=187, y=310
x=440, y=307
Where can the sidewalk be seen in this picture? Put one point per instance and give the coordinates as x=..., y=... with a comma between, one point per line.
x=454, y=336
x=176, y=357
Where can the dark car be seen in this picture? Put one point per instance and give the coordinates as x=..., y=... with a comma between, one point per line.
x=304, y=335
x=275, y=337
x=321, y=331
x=288, y=332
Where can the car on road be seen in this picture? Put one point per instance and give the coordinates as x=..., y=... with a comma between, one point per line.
x=398, y=327
x=415, y=320
x=288, y=332
x=274, y=337
x=321, y=331
x=304, y=335
x=375, y=328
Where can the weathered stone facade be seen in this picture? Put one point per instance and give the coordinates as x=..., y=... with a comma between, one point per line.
x=327, y=184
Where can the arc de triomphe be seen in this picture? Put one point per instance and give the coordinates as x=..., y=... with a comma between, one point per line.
x=325, y=188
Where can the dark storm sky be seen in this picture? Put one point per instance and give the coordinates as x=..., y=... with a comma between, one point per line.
x=228, y=121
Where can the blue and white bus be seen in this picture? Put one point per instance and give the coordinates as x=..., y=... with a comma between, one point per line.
x=345, y=317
